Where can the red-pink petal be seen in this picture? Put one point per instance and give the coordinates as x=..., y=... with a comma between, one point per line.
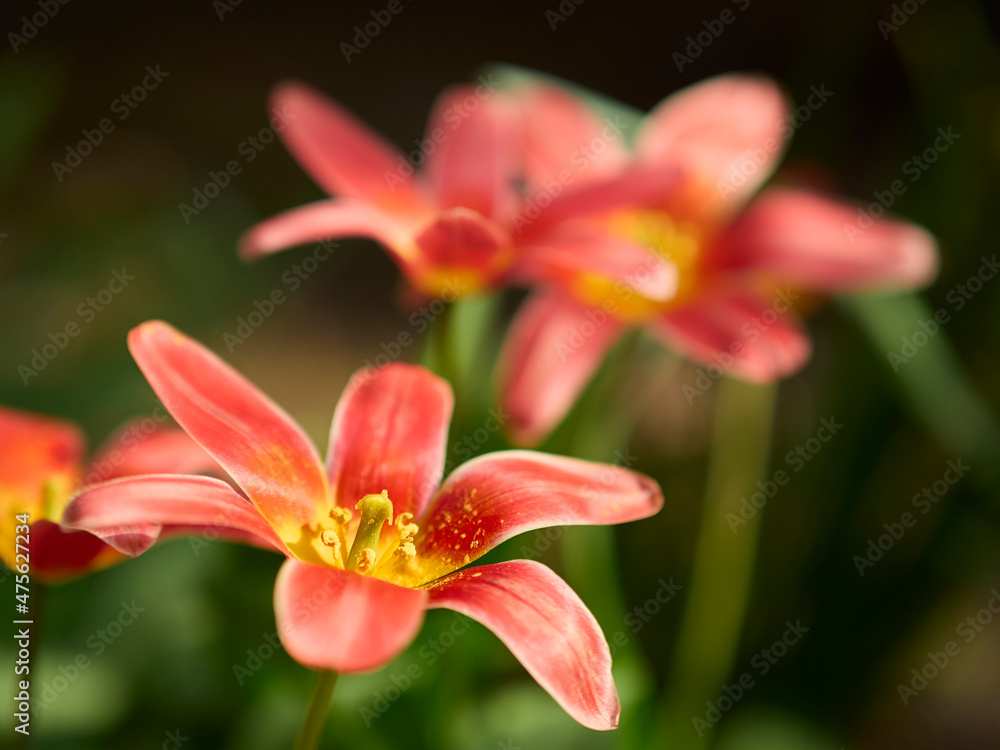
x=334, y=619
x=468, y=164
x=499, y=495
x=325, y=220
x=731, y=129
x=342, y=154
x=638, y=186
x=248, y=434
x=546, y=626
x=462, y=240
x=389, y=433
x=819, y=243
x=130, y=513
x=35, y=449
x=737, y=332
x=577, y=254
x=553, y=348
x=145, y=447
x=562, y=140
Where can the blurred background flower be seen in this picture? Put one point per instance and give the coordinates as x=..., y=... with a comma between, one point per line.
x=135, y=148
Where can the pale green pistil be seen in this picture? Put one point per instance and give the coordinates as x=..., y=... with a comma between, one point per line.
x=375, y=511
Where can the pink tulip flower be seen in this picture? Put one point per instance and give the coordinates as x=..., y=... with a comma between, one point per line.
x=373, y=538
x=742, y=263
x=448, y=212
x=42, y=465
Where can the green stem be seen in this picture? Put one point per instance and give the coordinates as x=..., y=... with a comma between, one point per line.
x=319, y=706
x=589, y=553
x=601, y=429
x=723, y=564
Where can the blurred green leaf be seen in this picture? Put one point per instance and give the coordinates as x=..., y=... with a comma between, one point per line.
x=772, y=730
x=513, y=76
x=29, y=92
x=934, y=383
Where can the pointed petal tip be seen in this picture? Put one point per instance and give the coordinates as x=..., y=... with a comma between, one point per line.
x=406, y=370
x=782, y=361
x=258, y=444
x=247, y=248
x=262, y=239
x=523, y=432
x=287, y=89
x=547, y=628
x=132, y=542
x=606, y=717
x=615, y=715
x=145, y=331
x=817, y=241
x=919, y=258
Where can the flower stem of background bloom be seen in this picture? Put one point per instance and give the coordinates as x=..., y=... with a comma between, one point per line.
x=319, y=706
x=438, y=354
x=601, y=425
x=462, y=345
x=939, y=391
x=723, y=565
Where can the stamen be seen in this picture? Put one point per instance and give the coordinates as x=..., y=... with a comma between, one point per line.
x=331, y=539
x=406, y=549
x=375, y=511
x=407, y=530
x=366, y=561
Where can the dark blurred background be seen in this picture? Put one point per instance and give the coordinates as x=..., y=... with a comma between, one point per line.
x=170, y=674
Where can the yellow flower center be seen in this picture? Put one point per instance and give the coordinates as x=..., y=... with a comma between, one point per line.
x=677, y=241
x=667, y=238
x=372, y=544
x=452, y=281
x=45, y=504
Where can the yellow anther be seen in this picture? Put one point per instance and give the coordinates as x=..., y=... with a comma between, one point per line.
x=366, y=560
x=406, y=529
x=332, y=539
x=407, y=550
x=341, y=515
